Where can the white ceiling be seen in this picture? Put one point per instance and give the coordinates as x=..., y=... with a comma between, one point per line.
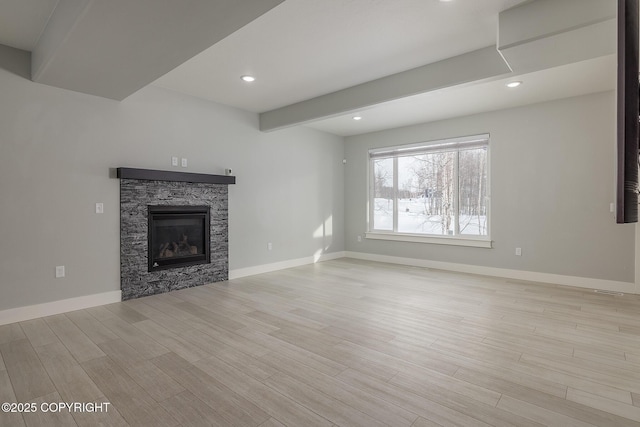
x=305, y=48
x=22, y=21
x=302, y=49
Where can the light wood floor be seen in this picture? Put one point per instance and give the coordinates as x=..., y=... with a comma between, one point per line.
x=340, y=343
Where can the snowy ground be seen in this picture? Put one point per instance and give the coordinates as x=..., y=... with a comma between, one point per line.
x=413, y=219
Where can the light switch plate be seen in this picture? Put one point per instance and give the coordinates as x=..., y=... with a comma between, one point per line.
x=59, y=271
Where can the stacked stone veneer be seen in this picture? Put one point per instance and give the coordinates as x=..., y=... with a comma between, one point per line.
x=135, y=195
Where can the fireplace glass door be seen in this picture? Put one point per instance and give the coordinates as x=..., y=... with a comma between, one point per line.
x=178, y=236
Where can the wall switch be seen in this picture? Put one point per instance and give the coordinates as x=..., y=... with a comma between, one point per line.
x=612, y=207
x=99, y=208
x=269, y=246
x=59, y=271
x=519, y=251
x=359, y=238
x=184, y=162
x=174, y=161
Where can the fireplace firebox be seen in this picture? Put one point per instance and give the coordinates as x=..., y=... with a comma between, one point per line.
x=178, y=236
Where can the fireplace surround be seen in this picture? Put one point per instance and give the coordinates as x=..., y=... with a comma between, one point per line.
x=146, y=192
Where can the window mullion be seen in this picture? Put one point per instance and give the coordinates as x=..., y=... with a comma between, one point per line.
x=370, y=218
x=395, y=194
x=456, y=197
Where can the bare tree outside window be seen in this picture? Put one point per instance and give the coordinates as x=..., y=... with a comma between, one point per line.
x=472, y=173
x=426, y=205
x=383, y=194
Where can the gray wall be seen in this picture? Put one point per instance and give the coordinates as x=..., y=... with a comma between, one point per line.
x=56, y=149
x=552, y=179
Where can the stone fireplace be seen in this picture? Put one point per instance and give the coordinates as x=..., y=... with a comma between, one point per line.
x=173, y=230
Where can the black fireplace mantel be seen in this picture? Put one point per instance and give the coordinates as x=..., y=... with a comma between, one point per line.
x=159, y=175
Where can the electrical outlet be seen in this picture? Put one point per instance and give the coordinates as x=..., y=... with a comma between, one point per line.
x=174, y=161
x=269, y=246
x=99, y=208
x=59, y=271
x=518, y=251
x=359, y=238
x=184, y=162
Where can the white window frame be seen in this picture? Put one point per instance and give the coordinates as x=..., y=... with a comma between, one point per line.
x=429, y=146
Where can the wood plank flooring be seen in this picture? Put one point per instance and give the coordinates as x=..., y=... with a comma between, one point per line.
x=339, y=343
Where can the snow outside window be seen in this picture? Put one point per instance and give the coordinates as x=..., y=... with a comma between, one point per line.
x=433, y=190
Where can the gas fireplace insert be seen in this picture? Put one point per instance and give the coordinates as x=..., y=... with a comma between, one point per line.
x=178, y=236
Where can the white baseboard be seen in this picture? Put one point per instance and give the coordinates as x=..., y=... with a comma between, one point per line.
x=20, y=314
x=267, y=268
x=529, y=276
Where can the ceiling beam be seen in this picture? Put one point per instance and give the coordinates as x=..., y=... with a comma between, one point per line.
x=16, y=61
x=114, y=48
x=473, y=66
x=548, y=33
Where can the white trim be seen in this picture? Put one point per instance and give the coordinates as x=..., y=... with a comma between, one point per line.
x=267, y=268
x=417, y=238
x=20, y=314
x=530, y=276
x=448, y=144
x=396, y=204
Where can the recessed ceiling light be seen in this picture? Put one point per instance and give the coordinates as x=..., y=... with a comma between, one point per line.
x=513, y=84
x=248, y=79
x=445, y=1
x=357, y=118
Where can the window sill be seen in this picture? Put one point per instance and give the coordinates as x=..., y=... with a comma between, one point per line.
x=437, y=240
